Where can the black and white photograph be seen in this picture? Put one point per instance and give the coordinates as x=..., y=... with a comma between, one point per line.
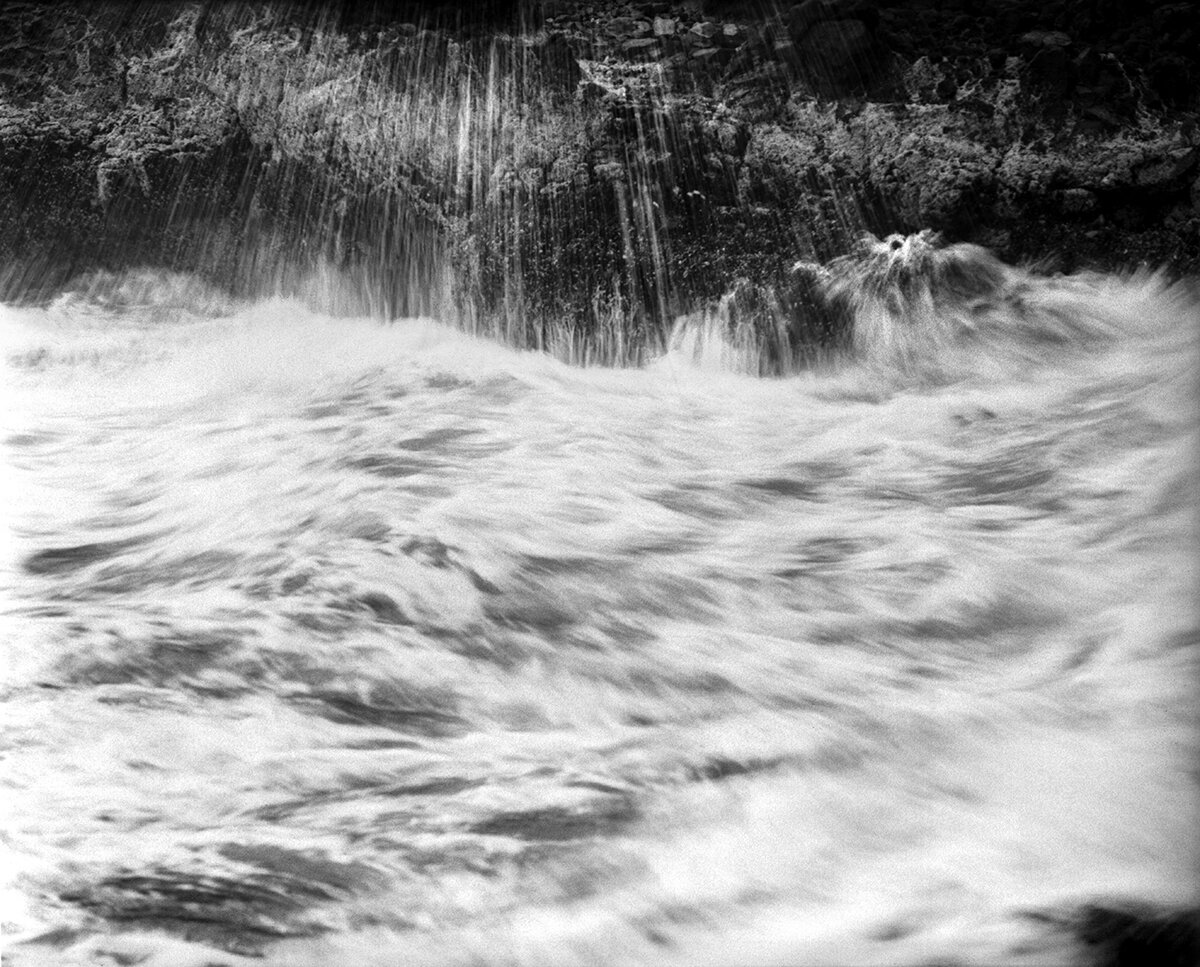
x=600, y=483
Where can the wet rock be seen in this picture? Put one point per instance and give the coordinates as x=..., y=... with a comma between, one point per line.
x=1176, y=20
x=621, y=27
x=838, y=47
x=1133, y=218
x=1048, y=66
x=1051, y=70
x=839, y=56
x=1167, y=172
x=786, y=53
x=804, y=16
x=642, y=48
x=1103, y=116
x=759, y=93
x=731, y=35
x=1172, y=79
x=550, y=63
x=711, y=58
x=1125, y=937
x=1045, y=38
x=1103, y=87
x=1077, y=201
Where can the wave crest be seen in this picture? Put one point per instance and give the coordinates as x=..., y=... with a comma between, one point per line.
x=919, y=307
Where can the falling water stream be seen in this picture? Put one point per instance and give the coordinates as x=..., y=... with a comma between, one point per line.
x=330, y=641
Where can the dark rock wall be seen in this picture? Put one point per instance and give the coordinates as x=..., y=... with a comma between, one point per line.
x=570, y=170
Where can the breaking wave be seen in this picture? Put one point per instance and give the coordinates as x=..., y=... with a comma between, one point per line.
x=331, y=641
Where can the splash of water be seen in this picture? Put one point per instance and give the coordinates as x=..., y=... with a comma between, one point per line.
x=332, y=641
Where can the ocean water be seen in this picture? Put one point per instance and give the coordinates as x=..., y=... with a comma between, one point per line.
x=328, y=641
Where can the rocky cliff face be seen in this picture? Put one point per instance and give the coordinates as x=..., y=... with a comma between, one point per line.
x=580, y=172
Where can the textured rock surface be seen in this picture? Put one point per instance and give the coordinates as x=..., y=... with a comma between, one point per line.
x=599, y=165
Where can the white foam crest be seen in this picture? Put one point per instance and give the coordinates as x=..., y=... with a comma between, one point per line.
x=957, y=310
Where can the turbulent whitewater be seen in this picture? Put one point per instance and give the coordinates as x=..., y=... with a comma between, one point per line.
x=330, y=641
